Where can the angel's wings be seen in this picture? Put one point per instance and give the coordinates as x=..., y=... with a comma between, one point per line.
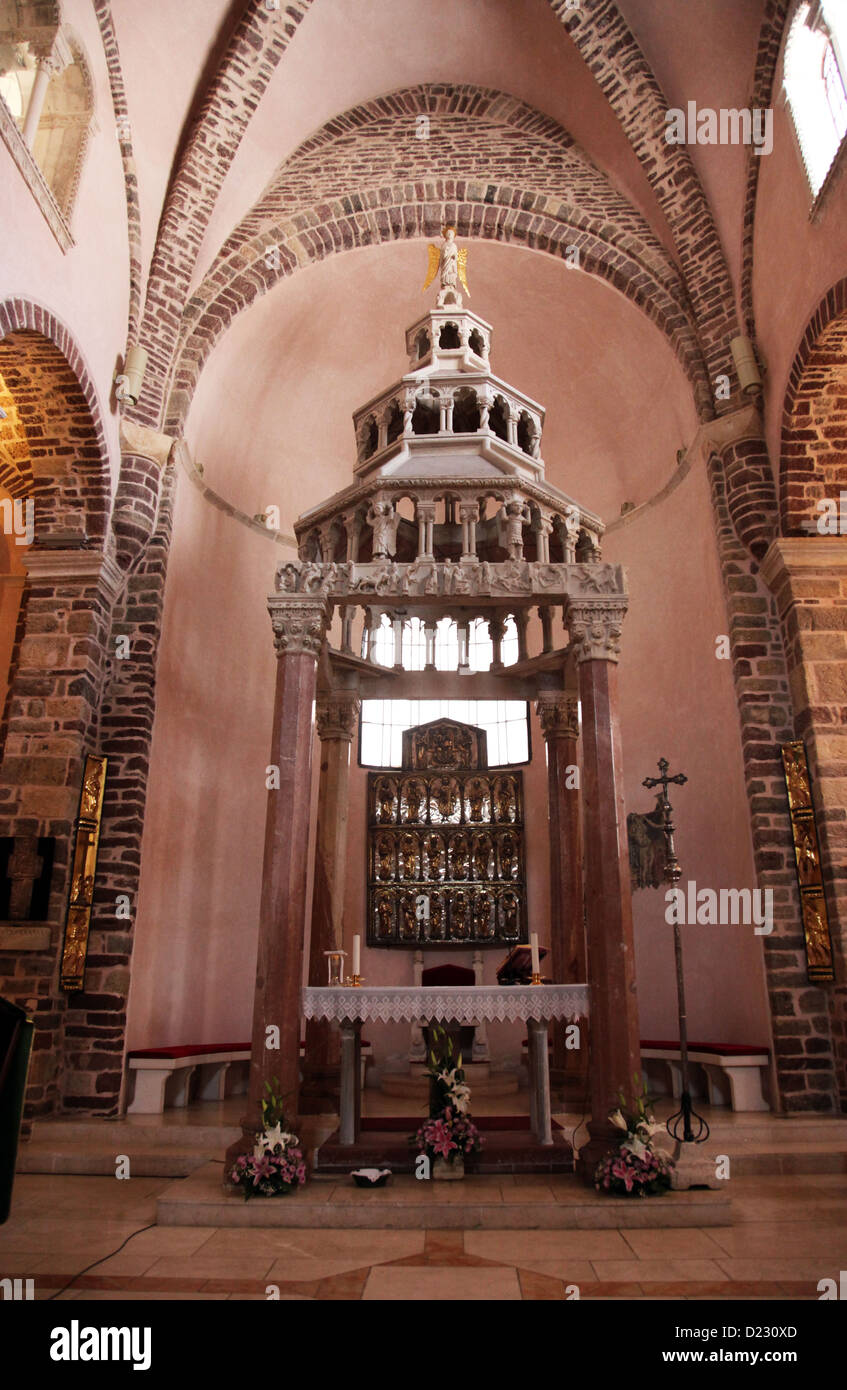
x=462, y=267
x=432, y=268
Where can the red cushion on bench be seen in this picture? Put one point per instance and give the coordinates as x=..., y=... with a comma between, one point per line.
x=720, y=1049
x=189, y=1050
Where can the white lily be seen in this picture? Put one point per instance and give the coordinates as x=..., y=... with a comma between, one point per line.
x=618, y=1120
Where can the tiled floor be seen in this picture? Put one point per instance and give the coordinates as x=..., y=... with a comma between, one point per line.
x=788, y=1234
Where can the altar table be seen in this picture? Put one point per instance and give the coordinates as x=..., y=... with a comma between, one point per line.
x=535, y=1005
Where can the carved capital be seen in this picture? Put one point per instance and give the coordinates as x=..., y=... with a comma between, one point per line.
x=558, y=715
x=299, y=625
x=336, y=717
x=595, y=628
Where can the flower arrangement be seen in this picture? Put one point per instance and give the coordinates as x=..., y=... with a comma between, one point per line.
x=449, y=1133
x=637, y=1168
x=448, y=1136
x=276, y=1165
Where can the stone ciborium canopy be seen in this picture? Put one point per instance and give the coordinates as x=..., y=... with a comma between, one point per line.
x=449, y=513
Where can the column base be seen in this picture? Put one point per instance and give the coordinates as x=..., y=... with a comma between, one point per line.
x=603, y=1138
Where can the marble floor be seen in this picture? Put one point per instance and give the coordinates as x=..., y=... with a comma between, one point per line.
x=92, y=1237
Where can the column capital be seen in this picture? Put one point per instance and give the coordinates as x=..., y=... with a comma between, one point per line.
x=425, y=508
x=558, y=714
x=468, y=511
x=336, y=716
x=299, y=625
x=595, y=628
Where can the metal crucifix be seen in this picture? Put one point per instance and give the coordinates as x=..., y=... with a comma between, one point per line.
x=672, y=873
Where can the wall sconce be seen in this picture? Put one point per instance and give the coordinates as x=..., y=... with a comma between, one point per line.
x=129, y=382
x=749, y=376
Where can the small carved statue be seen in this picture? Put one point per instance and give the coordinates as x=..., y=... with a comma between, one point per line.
x=384, y=869
x=435, y=856
x=408, y=857
x=409, y=921
x=415, y=792
x=481, y=857
x=459, y=916
x=482, y=916
x=451, y=261
x=384, y=522
x=459, y=855
x=807, y=856
x=507, y=856
x=385, y=802
x=511, y=929
x=476, y=800
x=817, y=936
x=505, y=802
x=385, y=914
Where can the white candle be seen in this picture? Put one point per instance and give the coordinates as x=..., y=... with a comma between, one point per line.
x=533, y=946
x=357, y=955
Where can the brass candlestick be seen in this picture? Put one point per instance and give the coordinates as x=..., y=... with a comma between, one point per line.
x=355, y=981
x=535, y=978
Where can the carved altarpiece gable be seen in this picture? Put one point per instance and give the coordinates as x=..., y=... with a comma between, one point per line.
x=446, y=844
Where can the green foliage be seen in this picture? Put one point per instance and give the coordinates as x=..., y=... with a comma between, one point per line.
x=273, y=1105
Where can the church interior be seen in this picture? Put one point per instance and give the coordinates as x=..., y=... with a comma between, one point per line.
x=423, y=646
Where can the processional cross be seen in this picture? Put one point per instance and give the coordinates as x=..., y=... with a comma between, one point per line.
x=681, y=1118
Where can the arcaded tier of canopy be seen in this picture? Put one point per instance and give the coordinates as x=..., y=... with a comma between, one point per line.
x=463, y=448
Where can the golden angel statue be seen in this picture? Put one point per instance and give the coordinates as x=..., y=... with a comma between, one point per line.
x=452, y=261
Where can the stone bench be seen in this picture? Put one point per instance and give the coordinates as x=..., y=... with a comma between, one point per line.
x=736, y=1073
x=163, y=1077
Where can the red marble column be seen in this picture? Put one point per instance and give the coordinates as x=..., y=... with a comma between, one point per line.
x=558, y=715
x=336, y=721
x=299, y=625
x=594, y=627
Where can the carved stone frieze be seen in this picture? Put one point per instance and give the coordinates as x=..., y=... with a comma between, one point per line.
x=469, y=577
x=299, y=625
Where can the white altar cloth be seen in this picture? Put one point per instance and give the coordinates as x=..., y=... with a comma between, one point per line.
x=464, y=1003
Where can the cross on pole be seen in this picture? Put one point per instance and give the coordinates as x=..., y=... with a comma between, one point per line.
x=672, y=874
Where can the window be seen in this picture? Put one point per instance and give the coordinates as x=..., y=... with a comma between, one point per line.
x=383, y=721
x=815, y=73
x=447, y=655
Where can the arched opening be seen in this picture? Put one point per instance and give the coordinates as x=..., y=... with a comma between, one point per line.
x=465, y=412
x=394, y=424
x=46, y=85
x=815, y=75
x=368, y=438
x=449, y=336
x=476, y=342
x=426, y=418
x=422, y=345
x=498, y=419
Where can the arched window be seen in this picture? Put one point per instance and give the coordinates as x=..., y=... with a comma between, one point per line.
x=815, y=75
x=46, y=88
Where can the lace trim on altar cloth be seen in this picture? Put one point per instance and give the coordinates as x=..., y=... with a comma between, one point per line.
x=462, y=1003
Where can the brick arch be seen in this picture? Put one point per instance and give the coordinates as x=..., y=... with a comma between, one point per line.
x=814, y=421
x=256, y=44
x=628, y=83
x=767, y=59
x=57, y=407
x=494, y=166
